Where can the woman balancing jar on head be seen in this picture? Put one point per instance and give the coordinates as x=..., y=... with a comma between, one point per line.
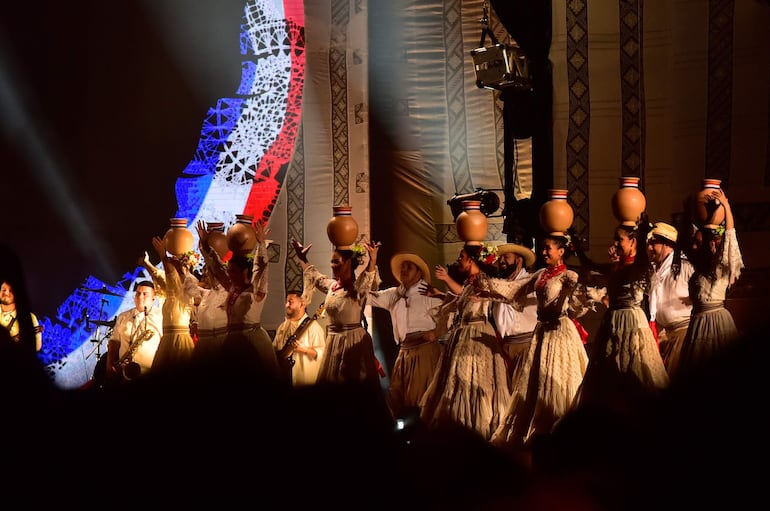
x=349, y=356
x=470, y=386
x=177, y=286
x=717, y=262
x=557, y=358
x=625, y=368
x=246, y=347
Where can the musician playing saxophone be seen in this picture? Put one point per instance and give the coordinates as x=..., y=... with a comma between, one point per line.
x=307, y=349
x=138, y=330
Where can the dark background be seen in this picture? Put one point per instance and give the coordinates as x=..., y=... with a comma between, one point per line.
x=113, y=96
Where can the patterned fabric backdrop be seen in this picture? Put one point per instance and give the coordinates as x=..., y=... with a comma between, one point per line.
x=393, y=123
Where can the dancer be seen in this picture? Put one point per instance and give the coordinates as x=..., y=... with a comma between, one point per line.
x=515, y=325
x=717, y=259
x=471, y=385
x=247, y=350
x=349, y=354
x=670, y=304
x=556, y=361
x=176, y=285
x=625, y=369
x=413, y=331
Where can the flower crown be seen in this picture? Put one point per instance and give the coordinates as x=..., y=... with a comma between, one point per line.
x=487, y=254
x=358, y=249
x=190, y=259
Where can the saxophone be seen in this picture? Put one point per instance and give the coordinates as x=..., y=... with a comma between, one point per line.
x=126, y=365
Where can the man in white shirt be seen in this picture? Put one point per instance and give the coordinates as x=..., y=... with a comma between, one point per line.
x=670, y=304
x=302, y=357
x=515, y=328
x=413, y=331
x=135, y=337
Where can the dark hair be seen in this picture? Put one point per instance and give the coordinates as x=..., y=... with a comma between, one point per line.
x=353, y=257
x=243, y=262
x=473, y=252
x=561, y=242
x=144, y=283
x=295, y=292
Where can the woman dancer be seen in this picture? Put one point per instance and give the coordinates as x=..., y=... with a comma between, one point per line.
x=176, y=286
x=716, y=258
x=557, y=358
x=625, y=368
x=349, y=356
x=246, y=347
x=470, y=387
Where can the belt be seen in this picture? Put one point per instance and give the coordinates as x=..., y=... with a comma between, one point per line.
x=707, y=307
x=344, y=328
x=676, y=325
x=175, y=329
x=415, y=339
x=239, y=327
x=518, y=338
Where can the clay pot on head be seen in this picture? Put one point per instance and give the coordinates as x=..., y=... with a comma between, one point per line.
x=556, y=215
x=217, y=239
x=178, y=238
x=342, y=228
x=471, y=223
x=628, y=202
x=708, y=211
x=241, y=236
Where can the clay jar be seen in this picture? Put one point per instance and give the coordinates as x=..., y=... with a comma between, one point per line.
x=556, y=215
x=241, y=236
x=217, y=239
x=628, y=202
x=342, y=228
x=471, y=223
x=708, y=211
x=178, y=239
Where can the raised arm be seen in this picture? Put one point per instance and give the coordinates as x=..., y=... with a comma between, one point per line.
x=259, y=274
x=214, y=265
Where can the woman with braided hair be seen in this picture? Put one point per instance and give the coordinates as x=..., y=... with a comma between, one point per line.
x=349, y=356
x=470, y=387
x=625, y=368
x=556, y=361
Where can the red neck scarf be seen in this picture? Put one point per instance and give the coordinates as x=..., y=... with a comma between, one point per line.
x=549, y=273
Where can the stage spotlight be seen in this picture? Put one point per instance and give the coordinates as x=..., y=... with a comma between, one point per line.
x=490, y=202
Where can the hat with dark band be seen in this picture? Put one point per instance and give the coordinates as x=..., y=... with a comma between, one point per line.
x=665, y=231
x=397, y=259
x=515, y=248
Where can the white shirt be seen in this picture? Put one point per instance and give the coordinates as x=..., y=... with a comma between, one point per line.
x=508, y=320
x=130, y=324
x=305, y=370
x=412, y=314
x=670, y=298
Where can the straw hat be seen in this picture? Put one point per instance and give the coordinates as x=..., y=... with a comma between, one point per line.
x=396, y=260
x=665, y=231
x=526, y=253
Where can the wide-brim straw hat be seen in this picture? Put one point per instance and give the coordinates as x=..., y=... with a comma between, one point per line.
x=525, y=252
x=665, y=231
x=397, y=259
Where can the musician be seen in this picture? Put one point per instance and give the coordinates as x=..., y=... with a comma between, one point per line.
x=308, y=346
x=8, y=318
x=142, y=324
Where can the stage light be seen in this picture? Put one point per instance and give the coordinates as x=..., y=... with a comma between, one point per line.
x=499, y=66
x=490, y=202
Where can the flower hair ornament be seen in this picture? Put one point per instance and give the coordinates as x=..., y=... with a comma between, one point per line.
x=190, y=260
x=487, y=254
